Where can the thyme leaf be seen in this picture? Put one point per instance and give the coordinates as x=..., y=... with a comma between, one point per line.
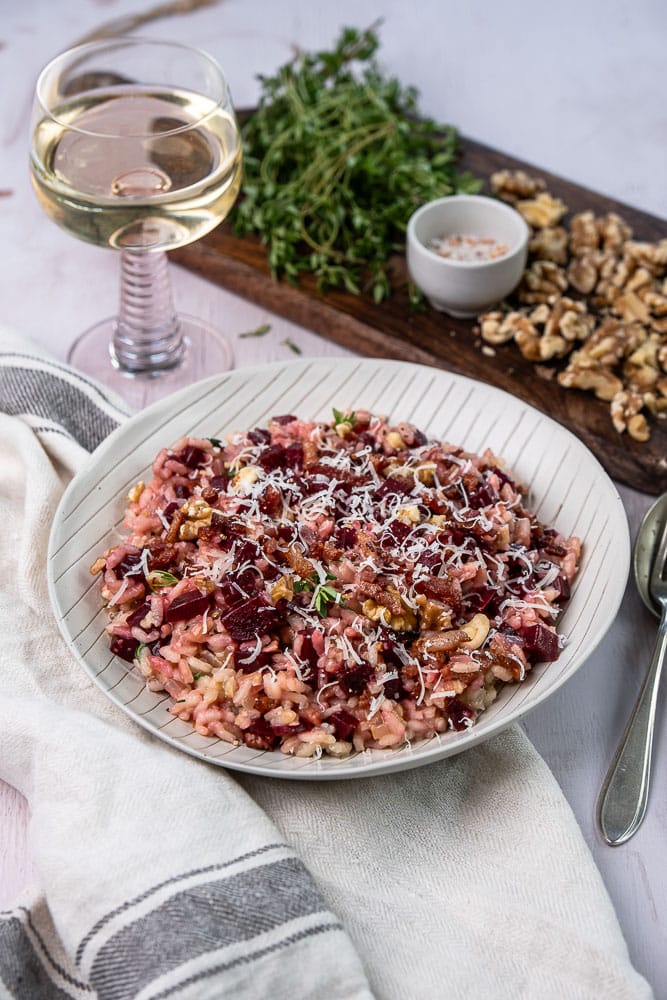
x=325, y=595
x=344, y=418
x=261, y=331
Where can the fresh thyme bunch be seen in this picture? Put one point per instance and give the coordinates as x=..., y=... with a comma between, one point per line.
x=336, y=160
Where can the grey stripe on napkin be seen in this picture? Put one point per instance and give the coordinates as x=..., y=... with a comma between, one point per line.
x=69, y=402
x=252, y=956
x=203, y=919
x=21, y=969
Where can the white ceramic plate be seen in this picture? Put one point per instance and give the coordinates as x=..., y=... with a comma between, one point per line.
x=568, y=489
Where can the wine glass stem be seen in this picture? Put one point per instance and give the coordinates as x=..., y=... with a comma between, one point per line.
x=147, y=337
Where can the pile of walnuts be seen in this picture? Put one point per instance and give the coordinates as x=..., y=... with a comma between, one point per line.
x=593, y=296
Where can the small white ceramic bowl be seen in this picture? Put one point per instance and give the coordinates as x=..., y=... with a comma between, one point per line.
x=461, y=287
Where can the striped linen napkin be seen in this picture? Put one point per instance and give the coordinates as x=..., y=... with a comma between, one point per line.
x=160, y=876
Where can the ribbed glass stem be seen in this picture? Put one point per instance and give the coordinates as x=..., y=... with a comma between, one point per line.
x=147, y=337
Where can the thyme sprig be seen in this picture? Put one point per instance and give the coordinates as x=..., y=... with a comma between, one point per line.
x=336, y=160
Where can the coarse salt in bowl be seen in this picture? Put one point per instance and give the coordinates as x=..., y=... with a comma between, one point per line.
x=458, y=286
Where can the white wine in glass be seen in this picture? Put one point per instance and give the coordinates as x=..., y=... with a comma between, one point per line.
x=135, y=146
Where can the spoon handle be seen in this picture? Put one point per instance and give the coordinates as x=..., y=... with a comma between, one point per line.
x=624, y=795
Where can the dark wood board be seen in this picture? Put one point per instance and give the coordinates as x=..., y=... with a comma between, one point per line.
x=393, y=329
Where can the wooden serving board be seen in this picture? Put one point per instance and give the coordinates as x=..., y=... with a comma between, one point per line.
x=393, y=329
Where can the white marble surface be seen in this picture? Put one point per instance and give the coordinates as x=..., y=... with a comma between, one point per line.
x=578, y=89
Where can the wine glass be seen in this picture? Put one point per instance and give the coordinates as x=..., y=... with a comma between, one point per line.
x=135, y=146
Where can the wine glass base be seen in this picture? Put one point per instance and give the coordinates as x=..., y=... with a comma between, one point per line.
x=206, y=353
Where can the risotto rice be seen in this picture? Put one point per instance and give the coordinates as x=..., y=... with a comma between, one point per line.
x=330, y=587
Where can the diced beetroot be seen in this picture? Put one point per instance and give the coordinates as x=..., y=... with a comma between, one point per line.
x=245, y=649
x=550, y=545
x=294, y=455
x=248, y=580
x=458, y=713
x=396, y=532
x=286, y=533
x=503, y=477
x=125, y=648
x=419, y=438
x=394, y=689
x=220, y=483
x=300, y=727
x=247, y=551
x=170, y=510
x=138, y=614
x=227, y=595
x=287, y=418
x=307, y=650
x=435, y=504
x=368, y=440
x=260, y=735
x=129, y=568
x=187, y=605
x=354, y=680
x=389, y=655
x=541, y=642
x=563, y=587
x=480, y=600
x=191, y=456
x=517, y=568
x=311, y=485
x=345, y=537
x=182, y=491
x=260, y=436
x=250, y=619
x=272, y=457
x=344, y=487
x=393, y=485
x=483, y=496
x=344, y=724
x=456, y=536
x=432, y=560
x=261, y=727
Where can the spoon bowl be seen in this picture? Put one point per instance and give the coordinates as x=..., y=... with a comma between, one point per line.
x=624, y=797
x=646, y=549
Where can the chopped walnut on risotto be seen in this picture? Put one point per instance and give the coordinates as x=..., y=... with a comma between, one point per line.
x=324, y=587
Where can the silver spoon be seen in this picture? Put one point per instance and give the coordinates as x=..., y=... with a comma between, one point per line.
x=624, y=795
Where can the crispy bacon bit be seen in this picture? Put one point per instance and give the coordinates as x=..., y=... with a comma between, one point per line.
x=442, y=588
x=162, y=555
x=175, y=526
x=298, y=562
x=380, y=596
x=439, y=642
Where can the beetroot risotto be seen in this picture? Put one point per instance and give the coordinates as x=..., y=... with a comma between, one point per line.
x=329, y=587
